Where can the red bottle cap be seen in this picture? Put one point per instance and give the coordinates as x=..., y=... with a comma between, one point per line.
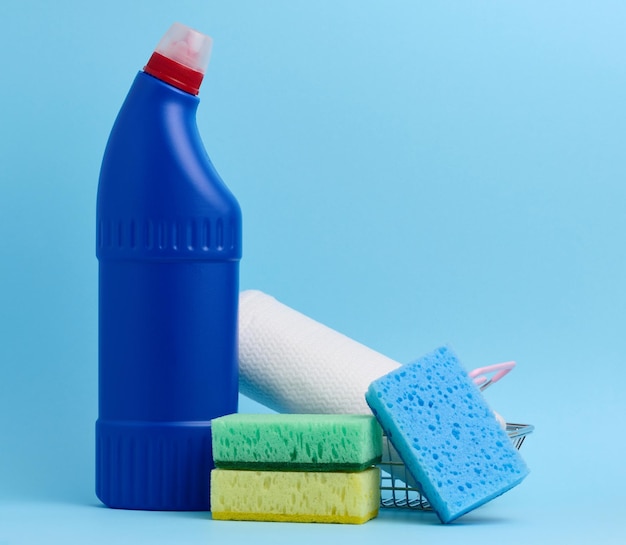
x=181, y=58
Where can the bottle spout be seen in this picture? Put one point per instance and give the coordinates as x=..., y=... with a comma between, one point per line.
x=181, y=58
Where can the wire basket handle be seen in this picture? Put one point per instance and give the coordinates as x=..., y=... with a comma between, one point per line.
x=486, y=376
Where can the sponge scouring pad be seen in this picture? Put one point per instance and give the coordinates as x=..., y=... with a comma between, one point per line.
x=295, y=496
x=446, y=434
x=296, y=442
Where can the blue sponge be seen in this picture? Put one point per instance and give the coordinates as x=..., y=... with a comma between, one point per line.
x=446, y=434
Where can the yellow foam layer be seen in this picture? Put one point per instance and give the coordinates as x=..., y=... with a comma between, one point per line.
x=295, y=496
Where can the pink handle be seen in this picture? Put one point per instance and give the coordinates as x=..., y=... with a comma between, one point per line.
x=485, y=376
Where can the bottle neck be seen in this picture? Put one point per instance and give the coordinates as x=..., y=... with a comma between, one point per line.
x=149, y=89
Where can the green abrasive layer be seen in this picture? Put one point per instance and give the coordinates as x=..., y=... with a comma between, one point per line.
x=296, y=442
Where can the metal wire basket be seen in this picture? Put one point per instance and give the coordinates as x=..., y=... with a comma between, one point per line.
x=397, y=486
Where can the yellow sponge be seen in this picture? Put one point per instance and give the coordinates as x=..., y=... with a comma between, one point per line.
x=295, y=496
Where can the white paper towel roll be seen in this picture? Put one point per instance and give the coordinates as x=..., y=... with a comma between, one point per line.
x=294, y=364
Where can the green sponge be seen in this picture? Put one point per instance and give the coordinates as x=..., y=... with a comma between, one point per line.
x=296, y=442
x=295, y=496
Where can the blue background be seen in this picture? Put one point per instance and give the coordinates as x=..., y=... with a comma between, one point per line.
x=411, y=174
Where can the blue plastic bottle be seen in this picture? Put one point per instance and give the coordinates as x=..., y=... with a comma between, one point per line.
x=168, y=245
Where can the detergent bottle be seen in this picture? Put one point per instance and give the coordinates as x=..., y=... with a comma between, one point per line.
x=168, y=246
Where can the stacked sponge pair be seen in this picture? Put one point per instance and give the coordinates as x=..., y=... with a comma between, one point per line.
x=298, y=468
